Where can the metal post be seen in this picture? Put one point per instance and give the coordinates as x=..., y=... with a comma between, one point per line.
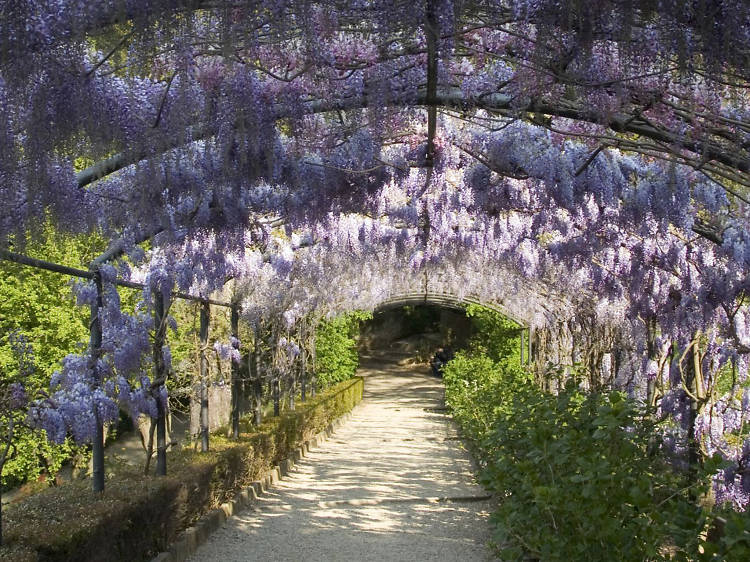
x=652, y=354
x=95, y=343
x=303, y=373
x=205, y=318
x=292, y=387
x=160, y=378
x=522, y=345
x=314, y=366
x=254, y=358
x=276, y=389
x=292, y=383
x=235, y=321
x=530, y=346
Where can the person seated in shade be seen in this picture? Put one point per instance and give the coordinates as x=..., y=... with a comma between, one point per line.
x=438, y=361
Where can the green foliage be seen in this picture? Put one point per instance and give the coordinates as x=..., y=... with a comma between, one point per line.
x=583, y=479
x=579, y=474
x=35, y=456
x=420, y=319
x=184, y=344
x=493, y=334
x=336, y=347
x=732, y=542
x=477, y=388
x=41, y=306
x=138, y=516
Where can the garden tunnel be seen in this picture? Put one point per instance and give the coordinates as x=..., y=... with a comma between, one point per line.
x=582, y=168
x=452, y=302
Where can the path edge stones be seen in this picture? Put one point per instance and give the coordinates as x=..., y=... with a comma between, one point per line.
x=194, y=536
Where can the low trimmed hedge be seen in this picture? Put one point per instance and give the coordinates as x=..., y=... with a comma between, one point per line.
x=139, y=516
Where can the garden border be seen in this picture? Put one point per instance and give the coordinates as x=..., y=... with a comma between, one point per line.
x=142, y=518
x=193, y=537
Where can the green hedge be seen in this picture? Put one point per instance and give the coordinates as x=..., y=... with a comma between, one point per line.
x=138, y=516
x=582, y=478
x=337, y=358
x=581, y=475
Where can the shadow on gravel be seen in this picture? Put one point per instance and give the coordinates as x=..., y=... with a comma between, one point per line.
x=393, y=483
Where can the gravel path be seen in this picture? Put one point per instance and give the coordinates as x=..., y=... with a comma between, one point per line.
x=393, y=483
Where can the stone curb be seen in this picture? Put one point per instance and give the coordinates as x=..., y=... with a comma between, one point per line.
x=192, y=537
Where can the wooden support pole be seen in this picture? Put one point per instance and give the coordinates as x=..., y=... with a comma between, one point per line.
x=522, y=344
x=161, y=305
x=236, y=395
x=95, y=344
x=204, y=423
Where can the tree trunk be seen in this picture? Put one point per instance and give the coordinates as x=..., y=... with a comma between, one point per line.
x=692, y=386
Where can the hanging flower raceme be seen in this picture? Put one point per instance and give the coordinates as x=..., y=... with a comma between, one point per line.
x=229, y=351
x=286, y=352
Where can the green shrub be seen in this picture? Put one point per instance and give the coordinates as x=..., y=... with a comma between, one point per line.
x=581, y=478
x=579, y=475
x=477, y=387
x=729, y=538
x=138, y=516
x=336, y=353
x=493, y=335
x=40, y=305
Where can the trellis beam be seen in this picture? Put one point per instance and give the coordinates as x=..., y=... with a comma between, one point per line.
x=21, y=259
x=452, y=97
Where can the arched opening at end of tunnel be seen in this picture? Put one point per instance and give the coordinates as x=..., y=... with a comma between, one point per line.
x=412, y=335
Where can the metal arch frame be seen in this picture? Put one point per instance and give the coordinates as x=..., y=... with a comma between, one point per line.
x=446, y=300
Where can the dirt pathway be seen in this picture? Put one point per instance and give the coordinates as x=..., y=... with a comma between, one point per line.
x=392, y=484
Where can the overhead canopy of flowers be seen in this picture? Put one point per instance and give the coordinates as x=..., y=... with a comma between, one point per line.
x=578, y=163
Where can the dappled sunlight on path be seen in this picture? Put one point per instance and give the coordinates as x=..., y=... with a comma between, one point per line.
x=393, y=483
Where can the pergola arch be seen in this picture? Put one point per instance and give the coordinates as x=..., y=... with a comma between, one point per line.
x=616, y=252
x=447, y=300
x=704, y=151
